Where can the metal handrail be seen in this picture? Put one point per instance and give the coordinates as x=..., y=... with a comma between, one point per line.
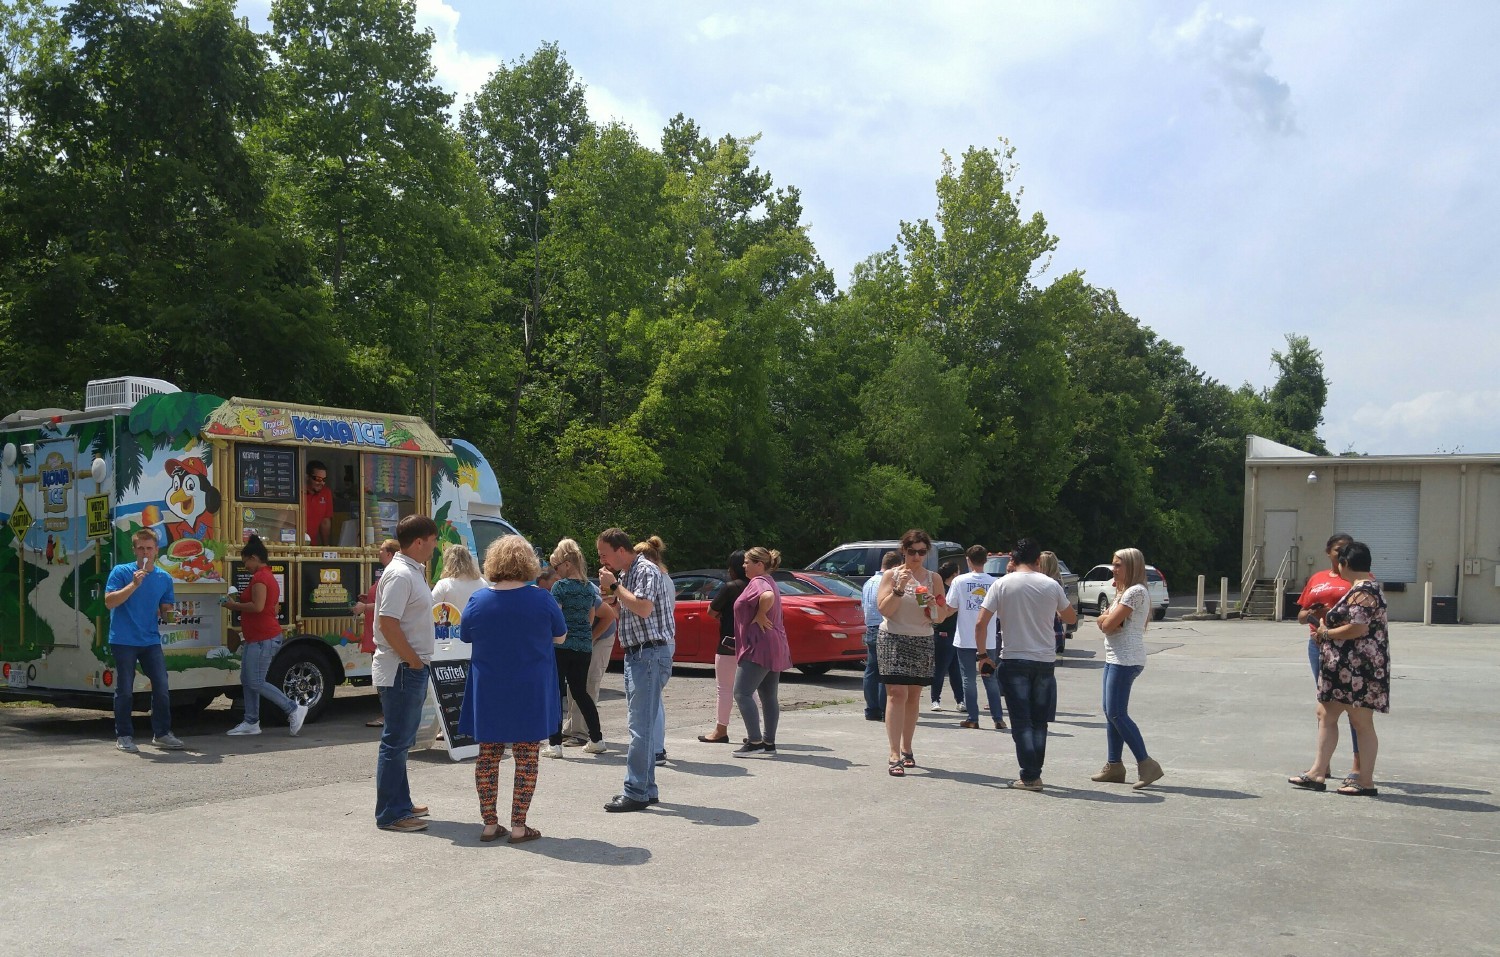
x=1287, y=564
x=1251, y=568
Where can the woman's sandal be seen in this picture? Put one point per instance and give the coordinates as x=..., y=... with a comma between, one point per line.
x=1303, y=781
x=1354, y=790
x=908, y=759
x=491, y=832
x=896, y=770
x=707, y=740
x=529, y=834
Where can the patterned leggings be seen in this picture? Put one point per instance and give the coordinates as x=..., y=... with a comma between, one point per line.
x=487, y=780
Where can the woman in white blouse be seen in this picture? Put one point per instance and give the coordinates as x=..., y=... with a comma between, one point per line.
x=1124, y=627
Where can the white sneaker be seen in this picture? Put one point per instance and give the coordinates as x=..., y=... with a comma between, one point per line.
x=595, y=747
x=169, y=742
x=295, y=719
x=551, y=750
x=245, y=727
x=937, y=706
x=127, y=744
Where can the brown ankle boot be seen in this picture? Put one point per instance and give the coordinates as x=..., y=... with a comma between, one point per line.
x=1148, y=770
x=1111, y=773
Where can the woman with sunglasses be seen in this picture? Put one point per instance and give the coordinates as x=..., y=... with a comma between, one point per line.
x=1124, y=627
x=910, y=600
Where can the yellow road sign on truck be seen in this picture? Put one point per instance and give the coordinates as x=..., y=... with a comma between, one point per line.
x=98, y=516
x=20, y=519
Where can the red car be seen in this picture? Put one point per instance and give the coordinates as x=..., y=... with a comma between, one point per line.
x=822, y=629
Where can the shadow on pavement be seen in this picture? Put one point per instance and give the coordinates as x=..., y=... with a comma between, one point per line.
x=706, y=770
x=586, y=850
x=1422, y=789
x=711, y=816
x=1436, y=803
x=832, y=764
x=1221, y=794
x=962, y=777
x=1105, y=797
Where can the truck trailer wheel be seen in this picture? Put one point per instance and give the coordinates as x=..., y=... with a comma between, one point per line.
x=303, y=673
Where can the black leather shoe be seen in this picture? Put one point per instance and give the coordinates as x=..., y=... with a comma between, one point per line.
x=622, y=803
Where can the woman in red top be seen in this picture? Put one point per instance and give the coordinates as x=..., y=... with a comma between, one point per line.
x=261, y=631
x=1322, y=591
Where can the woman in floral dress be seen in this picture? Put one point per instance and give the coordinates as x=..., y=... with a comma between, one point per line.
x=1354, y=673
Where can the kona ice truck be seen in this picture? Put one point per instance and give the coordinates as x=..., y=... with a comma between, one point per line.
x=203, y=474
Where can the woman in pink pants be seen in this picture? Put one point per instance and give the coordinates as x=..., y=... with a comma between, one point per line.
x=722, y=608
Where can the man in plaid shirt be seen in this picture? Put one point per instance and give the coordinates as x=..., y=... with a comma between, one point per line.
x=643, y=597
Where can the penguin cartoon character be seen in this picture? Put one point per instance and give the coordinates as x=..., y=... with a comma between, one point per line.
x=192, y=498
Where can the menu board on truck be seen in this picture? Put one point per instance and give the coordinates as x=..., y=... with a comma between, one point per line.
x=329, y=589
x=240, y=576
x=265, y=473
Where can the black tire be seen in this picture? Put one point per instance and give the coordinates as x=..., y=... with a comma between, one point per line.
x=1101, y=605
x=816, y=670
x=304, y=674
x=1160, y=614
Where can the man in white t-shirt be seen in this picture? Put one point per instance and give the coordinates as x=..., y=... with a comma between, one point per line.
x=966, y=593
x=404, y=643
x=1026, y=601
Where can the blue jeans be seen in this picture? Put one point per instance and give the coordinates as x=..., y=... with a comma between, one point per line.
x=255, y=661
x=874, y=690
x=1314, y=658
x=945, y=665
x=968, y=664
x=154, y=666
x=646, y=674
x=1122, y=728
x=1031, y=695
x=402, y=704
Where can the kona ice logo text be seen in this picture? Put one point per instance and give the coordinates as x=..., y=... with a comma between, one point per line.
x=339, y=431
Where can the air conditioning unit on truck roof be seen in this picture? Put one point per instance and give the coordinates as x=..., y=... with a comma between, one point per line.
x=123, y=392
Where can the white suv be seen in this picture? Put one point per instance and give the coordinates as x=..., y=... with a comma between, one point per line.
x=1096, y=590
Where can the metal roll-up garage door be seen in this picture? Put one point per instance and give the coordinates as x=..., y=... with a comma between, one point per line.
x=1383, y=515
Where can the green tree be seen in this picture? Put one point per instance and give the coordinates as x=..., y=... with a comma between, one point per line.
x=364, y=157
x=136, y=233
x=1295, y=403
x=521, y=127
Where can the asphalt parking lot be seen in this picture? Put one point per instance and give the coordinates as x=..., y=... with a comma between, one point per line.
x=256, y=845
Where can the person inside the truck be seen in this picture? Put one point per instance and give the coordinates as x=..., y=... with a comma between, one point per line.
x=317, y=504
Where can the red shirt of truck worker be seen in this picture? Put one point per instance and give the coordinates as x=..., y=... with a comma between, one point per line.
x=137, y=594
x=317, y=504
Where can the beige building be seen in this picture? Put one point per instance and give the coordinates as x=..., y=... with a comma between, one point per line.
x=1426, y=518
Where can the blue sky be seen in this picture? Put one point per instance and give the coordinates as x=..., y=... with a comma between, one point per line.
x=1234, y=171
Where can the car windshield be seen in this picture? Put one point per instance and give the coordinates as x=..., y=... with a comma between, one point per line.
x=791, y=586
x=1152, y=575
x=853, y=561
x=997, y=564
x=837, y=584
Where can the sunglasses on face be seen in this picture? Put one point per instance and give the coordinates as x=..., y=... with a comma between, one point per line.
x=916, y=551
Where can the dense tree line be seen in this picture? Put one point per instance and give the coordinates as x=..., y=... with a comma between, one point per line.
x=635, y=336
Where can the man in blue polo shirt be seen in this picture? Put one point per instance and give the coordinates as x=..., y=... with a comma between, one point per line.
x=137, y=594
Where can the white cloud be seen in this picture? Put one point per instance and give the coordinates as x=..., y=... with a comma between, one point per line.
x=718, y=26
x=1446, y=420
x=636, y=112
x=1229, y=48
x=459, y=71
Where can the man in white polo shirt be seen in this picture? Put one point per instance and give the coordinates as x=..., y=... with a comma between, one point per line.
x=1026, y=601
x=405, y=639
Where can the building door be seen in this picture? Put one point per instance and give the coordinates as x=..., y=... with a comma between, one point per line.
x=1281, y=544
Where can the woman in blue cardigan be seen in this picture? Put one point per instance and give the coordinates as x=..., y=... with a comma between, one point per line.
x=511, y=696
